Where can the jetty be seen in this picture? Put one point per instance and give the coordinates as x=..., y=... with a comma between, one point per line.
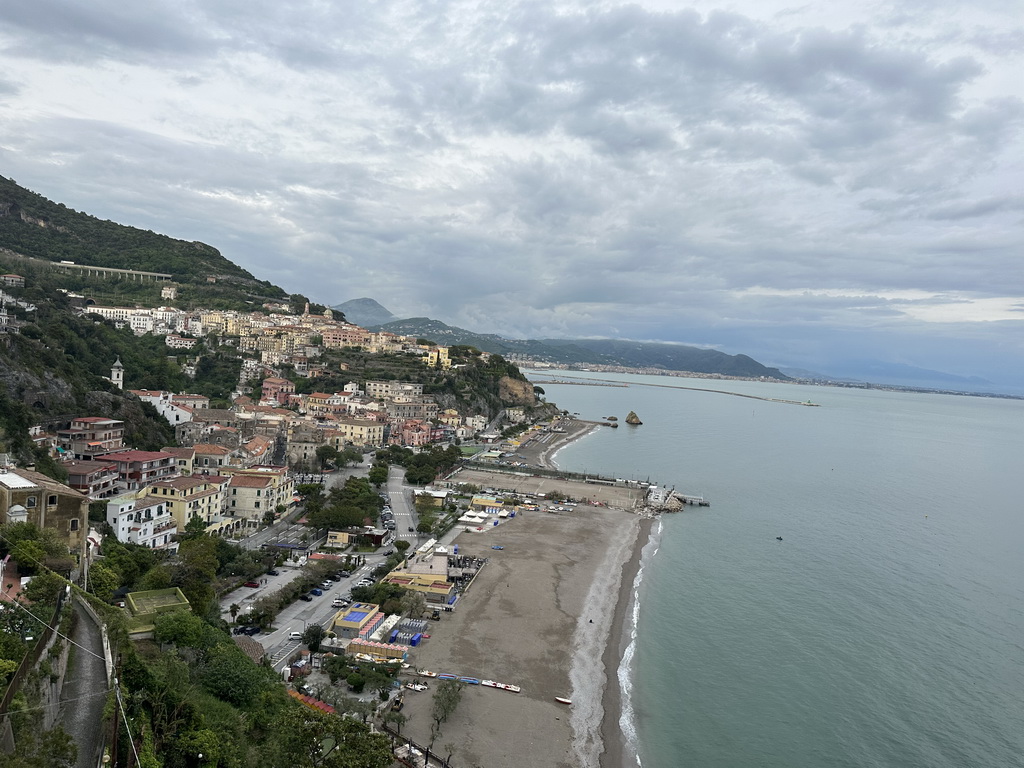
x=597, y=383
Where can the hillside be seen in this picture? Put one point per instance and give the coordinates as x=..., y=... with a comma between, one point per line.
x=43, y=231
x=630, y=354
x=365, y=312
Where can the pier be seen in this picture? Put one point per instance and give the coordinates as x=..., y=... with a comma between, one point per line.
x=603, y=383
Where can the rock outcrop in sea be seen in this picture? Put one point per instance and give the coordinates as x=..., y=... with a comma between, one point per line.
x=633, y=418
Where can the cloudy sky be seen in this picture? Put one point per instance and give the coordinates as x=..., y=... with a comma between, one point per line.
x=815, y=185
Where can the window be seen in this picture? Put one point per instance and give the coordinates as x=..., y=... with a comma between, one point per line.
x=51, y=500
x=74, y=524
x=30, y=502
x=257, y=505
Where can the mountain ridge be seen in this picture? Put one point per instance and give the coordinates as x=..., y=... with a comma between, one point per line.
x=618, y=352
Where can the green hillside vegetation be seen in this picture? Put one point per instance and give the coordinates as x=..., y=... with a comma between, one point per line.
x=37, y=228
x=59, y=363
x=471, y=385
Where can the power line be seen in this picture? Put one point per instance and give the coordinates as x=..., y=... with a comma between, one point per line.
x=131, y=737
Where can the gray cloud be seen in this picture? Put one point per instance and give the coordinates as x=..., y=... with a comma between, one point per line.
x=539, y=169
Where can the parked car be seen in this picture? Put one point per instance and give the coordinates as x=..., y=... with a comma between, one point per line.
x=316, y=591
x=250, y=630
x=344, y=574
x=252, y=583
x=389, y=553
x=273, y=572
x=306, y=598
x=327, y=584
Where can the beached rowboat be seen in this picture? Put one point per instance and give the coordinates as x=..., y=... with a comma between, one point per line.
x=563, y=700
x=427, y=673
x=446, y=676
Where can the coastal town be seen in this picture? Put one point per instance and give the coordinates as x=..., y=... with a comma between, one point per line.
x=429, y=587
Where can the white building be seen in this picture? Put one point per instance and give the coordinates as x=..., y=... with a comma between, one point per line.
x=165, y=405
x=147, y=522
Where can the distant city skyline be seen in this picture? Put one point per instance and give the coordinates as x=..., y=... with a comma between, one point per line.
x=817, y=186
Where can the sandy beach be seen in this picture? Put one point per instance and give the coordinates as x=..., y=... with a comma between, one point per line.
x=546, y=613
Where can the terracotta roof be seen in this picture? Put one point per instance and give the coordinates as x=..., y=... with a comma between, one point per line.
x=180, y=453
x=129, y=456
x=248, y=481
x=207, y=449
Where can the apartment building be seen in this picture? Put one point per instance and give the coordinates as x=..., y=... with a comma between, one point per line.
x=145, y=521
x=27, y=496
x=90, y=436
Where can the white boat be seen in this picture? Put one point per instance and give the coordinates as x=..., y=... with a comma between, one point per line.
x=427, y=673
x=502, y=686
x=563, y=700
x=416, y=686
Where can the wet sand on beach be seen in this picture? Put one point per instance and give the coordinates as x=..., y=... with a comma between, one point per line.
x=517, y=624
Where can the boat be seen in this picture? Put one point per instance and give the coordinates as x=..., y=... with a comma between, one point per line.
x=563, y=700
x=416, y=686
x=470, y=680
x=427, y=673
x=501, y=686
x=446, y=676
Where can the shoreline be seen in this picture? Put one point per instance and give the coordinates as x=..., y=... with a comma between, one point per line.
x=576, y=431
x=616, y=752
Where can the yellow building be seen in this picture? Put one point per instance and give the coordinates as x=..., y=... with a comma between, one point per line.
x=437, y=357
x=358, y=620
x=435, y=588
x=191, y=496
x=356, y=431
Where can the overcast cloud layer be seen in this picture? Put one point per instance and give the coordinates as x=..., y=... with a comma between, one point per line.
x=806, y=184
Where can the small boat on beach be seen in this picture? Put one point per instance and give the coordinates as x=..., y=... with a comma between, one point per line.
x=447, y=676
x=501, y=686
x=469, y=680
x=427, y=673
x=563, y=700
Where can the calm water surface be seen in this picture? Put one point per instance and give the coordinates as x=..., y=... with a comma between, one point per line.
x=885, y=629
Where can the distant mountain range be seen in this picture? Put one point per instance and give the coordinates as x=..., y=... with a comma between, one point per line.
x=630, y=354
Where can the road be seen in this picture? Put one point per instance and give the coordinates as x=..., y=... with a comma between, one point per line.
x=300, y=614
x=83, y=696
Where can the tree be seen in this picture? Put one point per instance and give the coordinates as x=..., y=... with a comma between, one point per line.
x=395, y=718
x=313, y=636
x=306, y=738
x=402, y=545
x=378, y=475
x=185, y=629
x=356, y=682
x=413, y=603
x=44, y=588
x=447, y=696
x=326, y=454
x=230, y=675
x=103, y=581
x=42, y=749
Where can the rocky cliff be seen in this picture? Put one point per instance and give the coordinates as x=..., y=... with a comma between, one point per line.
x=516, y=391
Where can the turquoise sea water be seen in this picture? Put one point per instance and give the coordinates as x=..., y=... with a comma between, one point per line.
x=885, y=629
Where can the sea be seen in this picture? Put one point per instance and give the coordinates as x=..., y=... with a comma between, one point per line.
x=854, y=593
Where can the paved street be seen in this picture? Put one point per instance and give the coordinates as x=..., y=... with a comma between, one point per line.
x=300, y=614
